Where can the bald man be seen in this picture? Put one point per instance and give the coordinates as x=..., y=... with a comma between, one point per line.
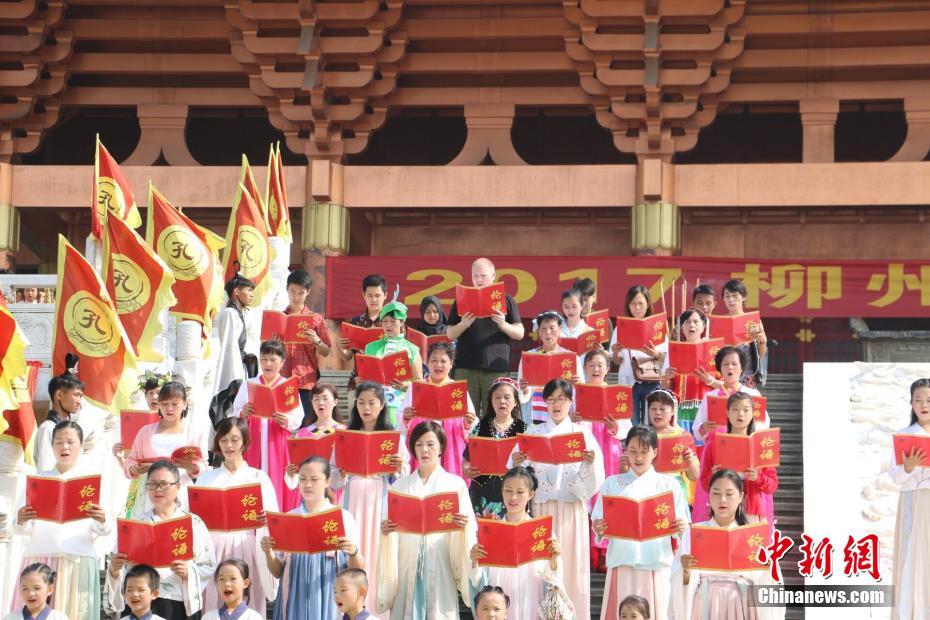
x=483, y=345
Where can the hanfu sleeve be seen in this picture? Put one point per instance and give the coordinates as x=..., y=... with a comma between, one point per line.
x=269, y=502
x=590, y=475
x=460, y=544
x=201, y=568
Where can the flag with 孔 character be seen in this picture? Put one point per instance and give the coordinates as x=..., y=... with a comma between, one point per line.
x=279, y=219
x=86, y=323
x=17, y=420
x=192, y=254
x=139, y=283
x=247, y=179
x=247, y=249
x=112, y=194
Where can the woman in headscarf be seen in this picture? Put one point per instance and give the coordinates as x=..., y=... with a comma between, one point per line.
x=432, y=317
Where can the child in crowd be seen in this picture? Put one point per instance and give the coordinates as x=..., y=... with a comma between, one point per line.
x=36, y=587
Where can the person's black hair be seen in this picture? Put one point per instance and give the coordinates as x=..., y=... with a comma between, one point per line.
x=47, y=574
x=143, y=570
x=375, y=279
x=492, y=590
x=737, y=481
x=301, y=278
x=356, y=575
x=321, y=461
x=427, y=426
x=558, y=384
x=65, y=425
x=548, y=315
x=684, y=316
x=920, y=383
x=271, y=347
x=585, y=286
x=243, y=569
x=237, y=281
x=631, y=294
x=730, y=350
x=71, y=362
x=355, y=420
x=637, y=603
x=573, y=292
x=594, y=353
x=735, y=398
x=702, y=289
x=526, y=474
x=318, y=388
x=446, y=347
x=152, y=383
x=736, y=286
x=174, y=389
x=225, y=426
x=645, y=434
x=167, y=466
x=516, y=413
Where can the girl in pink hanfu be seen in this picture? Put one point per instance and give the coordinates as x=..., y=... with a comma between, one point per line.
x=439, y=359
x=324, y=420
x=364, y=497
x=268, y=451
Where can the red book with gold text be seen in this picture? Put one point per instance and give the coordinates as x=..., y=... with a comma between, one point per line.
x=384, y=370
x=510, y=545
x=59, y=500
x=299, y=449
x=156, y=544
x=490, y=454
x=734, y=330
x=717, y=409
x=541, y=368
x=645, y=519
x=359, y=337
x=733, y=549
x=482, y=302
x=670, y=456
x=637, y=333
x=423, y=515
x=686, y=357
x=288, y=328
x=554, y=450
x=906, y=443
x=362, y=453
x=741, y=452
x=440, y=402
x=598, y=402
x=423, y=341
x=303, y=533
x=600, y=322
x=229, y=509
x=580, y=345
x=131, y=422
x=267, y=401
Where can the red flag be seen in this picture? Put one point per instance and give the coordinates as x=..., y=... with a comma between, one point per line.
x=191, y=253
x=86, y=323
x=279, y=219
x=247, y=249
x=139, y=283
x=112, y=194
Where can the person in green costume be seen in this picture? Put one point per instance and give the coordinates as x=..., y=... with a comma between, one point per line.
x=392, y=318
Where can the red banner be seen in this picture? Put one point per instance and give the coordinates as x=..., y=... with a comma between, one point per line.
x=778, y=288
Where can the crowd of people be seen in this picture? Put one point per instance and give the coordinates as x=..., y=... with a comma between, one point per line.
x=376, y=570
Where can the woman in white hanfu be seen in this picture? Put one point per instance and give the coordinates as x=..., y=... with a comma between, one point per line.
x=564, y=491
x=231, y=441
x=714, y=595
x=419, y=575
x=912, y=529
x=644, y=567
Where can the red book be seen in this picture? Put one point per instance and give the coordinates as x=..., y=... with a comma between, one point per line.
x=156, y=544
x=670, y=456
x=384, y=370
x=131, y=422
x=61, y=501
x=554, y=450
x=734, y=549
x=637, y=333
x=227, y=510
x=686, y=357
x=597, y=402
x=268, y=400
x=490, y=454
x=426, y=515
x=645, y=519
x=440, y=402
x=366, y=454
x=734, y=330
x=905, y=443
x=423, y=341
x=600, y=322
x=288, y=328
x=741, y=453
x=299, y=449
x=359, y=337
x=302, y=533
x=587, y=341
x=514, y=544
x=541, y=368
x=717, y=408
x=183, y=452
x=482, y=302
